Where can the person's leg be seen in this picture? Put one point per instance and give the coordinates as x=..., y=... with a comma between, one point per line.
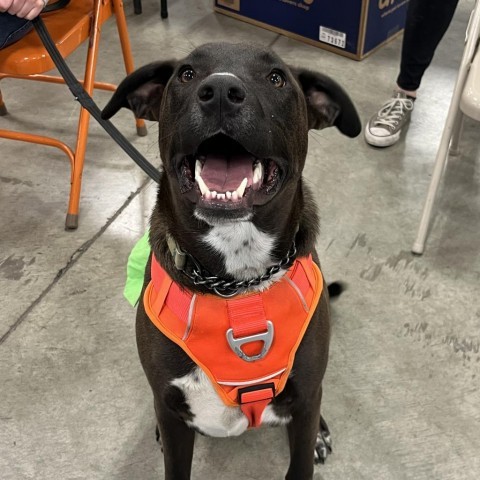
x=12, y=29
x=426, y=23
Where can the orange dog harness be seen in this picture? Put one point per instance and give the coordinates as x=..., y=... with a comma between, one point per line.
x=246, y=344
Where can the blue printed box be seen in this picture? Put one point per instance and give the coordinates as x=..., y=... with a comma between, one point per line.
x=354, y=28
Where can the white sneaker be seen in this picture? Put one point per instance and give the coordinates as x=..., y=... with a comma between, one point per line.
x=385, y=126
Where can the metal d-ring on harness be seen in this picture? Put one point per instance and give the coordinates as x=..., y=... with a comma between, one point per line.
x=86, y=100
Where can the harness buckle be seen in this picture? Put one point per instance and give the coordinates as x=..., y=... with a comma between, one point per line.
x=253, y=400
x=256, y=393
x=265, y=337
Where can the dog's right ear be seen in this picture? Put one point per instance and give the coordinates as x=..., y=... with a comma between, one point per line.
x=141, y=91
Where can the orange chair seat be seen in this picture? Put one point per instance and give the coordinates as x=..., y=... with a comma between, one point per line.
x=29, y=56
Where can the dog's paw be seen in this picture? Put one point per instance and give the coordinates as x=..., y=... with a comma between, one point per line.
x=158, y=437
x=323, y=446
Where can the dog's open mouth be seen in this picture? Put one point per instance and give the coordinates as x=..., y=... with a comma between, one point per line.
x=223, y=174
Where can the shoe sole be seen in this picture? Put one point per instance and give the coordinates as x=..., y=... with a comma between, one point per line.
x=381, y=141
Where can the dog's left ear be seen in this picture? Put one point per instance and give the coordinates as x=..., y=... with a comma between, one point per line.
x=327, y=102
x=141, y=91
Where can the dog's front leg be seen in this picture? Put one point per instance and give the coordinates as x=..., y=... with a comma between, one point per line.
x=177, y=442
x=302, y=434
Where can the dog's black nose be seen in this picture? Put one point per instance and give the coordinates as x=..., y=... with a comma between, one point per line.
x=221, y=93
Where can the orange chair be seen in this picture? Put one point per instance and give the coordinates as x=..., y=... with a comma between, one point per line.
x=28, y=60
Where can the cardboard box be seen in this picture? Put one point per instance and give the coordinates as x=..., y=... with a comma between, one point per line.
x=354, y=28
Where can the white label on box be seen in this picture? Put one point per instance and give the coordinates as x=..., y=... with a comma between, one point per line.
x=333, y=37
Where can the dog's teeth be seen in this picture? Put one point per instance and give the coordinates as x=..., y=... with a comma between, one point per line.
x=229, y=195
x=208, y=195
x=203, y=187
x=198, y=168
x=221, y=196
x=257, y=172
x=242, y=187
x=234, y=195
x=214, y=194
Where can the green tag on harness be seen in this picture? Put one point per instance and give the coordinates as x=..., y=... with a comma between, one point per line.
x=137, y=262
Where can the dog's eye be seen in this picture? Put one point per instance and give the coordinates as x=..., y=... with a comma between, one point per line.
x=186, y=75
x=276, y=79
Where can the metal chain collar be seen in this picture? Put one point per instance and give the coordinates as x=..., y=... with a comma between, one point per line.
x=229, y=288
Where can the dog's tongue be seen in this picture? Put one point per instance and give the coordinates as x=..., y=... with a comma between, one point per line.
x=224, y=174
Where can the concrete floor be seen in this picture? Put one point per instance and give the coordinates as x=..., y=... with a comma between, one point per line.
x=402, y=388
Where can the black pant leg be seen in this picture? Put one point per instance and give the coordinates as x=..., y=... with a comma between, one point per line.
x=427, y=21
x=12, y=29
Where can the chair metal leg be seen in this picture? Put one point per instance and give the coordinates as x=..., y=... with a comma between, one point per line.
x=163, y=9
x=127, y=53
x=36, y=77
x=137, y=7
x=71, y=222
x=440, y=162
x=452, y=116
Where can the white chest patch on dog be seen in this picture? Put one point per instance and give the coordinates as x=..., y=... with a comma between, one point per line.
x=245, y=249
x=210, y=415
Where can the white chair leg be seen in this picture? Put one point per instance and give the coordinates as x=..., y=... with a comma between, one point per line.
x=473, y=32
x=456, y=135
x=440, y=162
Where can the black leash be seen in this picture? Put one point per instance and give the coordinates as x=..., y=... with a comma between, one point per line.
x=87, y=102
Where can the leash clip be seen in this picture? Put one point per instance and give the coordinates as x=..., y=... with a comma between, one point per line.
x=265, y=337
x=179, y=256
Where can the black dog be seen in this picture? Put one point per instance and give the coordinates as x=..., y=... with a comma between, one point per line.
x=232, y=215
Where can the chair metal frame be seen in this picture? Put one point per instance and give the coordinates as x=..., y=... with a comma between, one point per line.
x=450, y=138
x=103, y=9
